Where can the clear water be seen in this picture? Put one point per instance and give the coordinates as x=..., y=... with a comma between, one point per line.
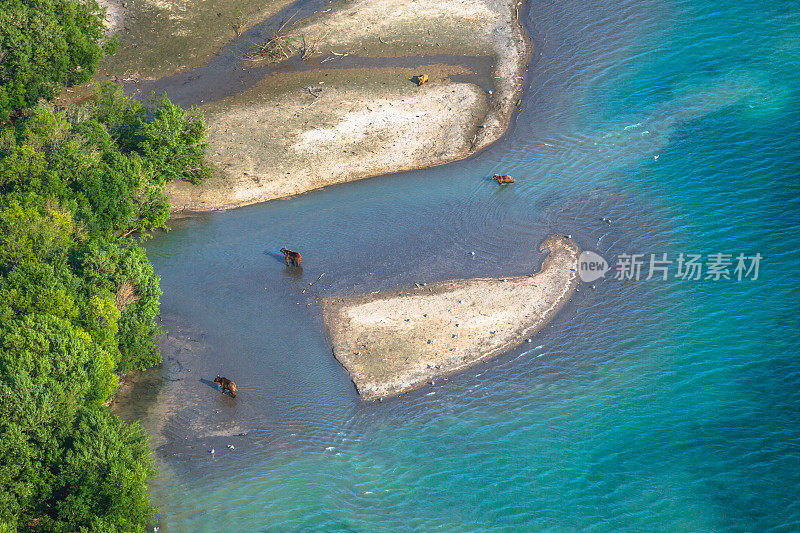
x=651, y=405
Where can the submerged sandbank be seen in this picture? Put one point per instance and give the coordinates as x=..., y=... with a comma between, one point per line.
x=400, y=339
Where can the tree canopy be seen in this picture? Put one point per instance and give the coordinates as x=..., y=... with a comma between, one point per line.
x=45, y=45
x=80, y=189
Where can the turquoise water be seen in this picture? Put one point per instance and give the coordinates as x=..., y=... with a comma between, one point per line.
x=650, y=405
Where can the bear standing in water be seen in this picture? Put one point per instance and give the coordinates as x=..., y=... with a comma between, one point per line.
x=226, y=384
x=503, y=178
x=291, y=257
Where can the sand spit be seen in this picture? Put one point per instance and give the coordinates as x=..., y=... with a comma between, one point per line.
x=300, y=130
x=401, y=339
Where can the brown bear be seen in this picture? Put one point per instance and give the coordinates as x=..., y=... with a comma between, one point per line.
x=503, y=178
x=226, y=384
x=291, y=257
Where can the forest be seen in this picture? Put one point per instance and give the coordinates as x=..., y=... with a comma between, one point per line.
x=81, y=188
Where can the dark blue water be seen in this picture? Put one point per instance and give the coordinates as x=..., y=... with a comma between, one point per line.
x=647, y=405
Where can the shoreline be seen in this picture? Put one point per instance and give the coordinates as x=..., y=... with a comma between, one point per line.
x=259, y=139
x=389, y=346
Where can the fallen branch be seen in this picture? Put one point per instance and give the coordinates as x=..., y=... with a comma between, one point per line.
x=276, y=48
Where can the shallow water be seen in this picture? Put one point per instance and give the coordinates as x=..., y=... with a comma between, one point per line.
x=647, y=405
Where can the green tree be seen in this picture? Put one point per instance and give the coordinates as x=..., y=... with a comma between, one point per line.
x=108, y=162
x=102, y=481
x=29, y=235
x=44, y=46
x=80, y=189
x=78, y=301
x=48, y=369
x=169, y=139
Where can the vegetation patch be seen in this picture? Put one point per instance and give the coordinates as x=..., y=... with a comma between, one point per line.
x=80, y=189
x=45, y=45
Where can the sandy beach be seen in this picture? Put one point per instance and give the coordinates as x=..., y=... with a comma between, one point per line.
x=299, y=130
x=400, y=339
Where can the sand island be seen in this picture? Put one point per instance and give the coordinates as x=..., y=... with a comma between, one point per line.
x=398, y=340
x=330, y=96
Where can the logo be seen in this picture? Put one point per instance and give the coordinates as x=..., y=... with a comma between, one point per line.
x=591, y=266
